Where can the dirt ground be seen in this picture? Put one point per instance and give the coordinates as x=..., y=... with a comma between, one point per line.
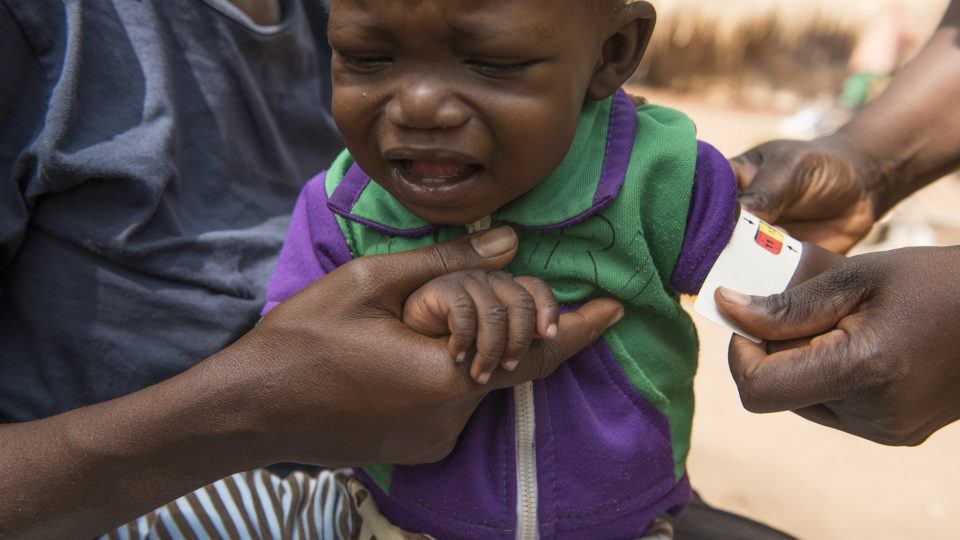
x=805, y=479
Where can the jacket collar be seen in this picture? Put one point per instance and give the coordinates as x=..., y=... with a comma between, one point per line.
x=579, y=187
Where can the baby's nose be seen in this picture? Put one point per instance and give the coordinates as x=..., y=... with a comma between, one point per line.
x=427, y=104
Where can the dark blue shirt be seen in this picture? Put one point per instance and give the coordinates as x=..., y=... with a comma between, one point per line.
x=150, y=155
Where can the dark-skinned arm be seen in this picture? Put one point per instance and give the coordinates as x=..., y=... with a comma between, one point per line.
x=832, y=189
x=870, y=346
x=320, y=380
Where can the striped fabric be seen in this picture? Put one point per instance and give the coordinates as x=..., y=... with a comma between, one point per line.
x=258, y=504
x=254, y=504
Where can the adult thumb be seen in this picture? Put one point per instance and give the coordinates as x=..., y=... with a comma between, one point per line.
x=576, y=331
x=813, y=307
x=407, y=271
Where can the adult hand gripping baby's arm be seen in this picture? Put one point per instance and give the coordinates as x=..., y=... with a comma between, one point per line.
x=331, y=376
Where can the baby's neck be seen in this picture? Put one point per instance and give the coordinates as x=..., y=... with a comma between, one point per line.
x=481, y=224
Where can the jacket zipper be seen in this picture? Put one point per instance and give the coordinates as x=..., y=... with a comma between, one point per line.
x=525, y=427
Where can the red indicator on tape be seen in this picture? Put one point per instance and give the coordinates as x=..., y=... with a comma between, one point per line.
x=769, y=239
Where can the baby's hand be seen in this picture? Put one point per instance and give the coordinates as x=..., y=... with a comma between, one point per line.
x=502, y=313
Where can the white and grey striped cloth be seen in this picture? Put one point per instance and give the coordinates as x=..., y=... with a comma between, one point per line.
x=261, y=505
x=252, y=505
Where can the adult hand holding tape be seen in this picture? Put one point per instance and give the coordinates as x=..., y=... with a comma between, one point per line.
x=871, y=347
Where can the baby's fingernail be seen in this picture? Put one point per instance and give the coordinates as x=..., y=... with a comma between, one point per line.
x=511, y=365
x=461, y=356
x=617, y=317
x=483, y=378
x=552, y=330
x=495, y=243
x=736, y=298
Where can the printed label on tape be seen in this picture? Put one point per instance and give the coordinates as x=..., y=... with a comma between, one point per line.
x=758, y=260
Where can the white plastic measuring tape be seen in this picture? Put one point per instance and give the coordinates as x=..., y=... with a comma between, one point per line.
x=758, y=260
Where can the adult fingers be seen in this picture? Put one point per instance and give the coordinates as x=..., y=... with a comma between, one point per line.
x=808, y=309
x=745, y=167
x=795, y=378
x=492, y=329
x=548, y=309
x=769, y=194
x=764, y=181
x=577, y=330
x=392, y=278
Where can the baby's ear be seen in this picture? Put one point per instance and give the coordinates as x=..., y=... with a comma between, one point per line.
x=623, y=50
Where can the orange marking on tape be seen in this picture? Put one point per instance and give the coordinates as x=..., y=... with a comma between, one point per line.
x=769, y=239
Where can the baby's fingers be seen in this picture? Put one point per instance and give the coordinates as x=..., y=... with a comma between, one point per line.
x=462, y=320
x=443, y=307
x=521, y=317
x=548, y=309
x=491, y=328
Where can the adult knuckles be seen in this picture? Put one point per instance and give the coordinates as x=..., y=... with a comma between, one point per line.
x=369, y=273
x=752, y=386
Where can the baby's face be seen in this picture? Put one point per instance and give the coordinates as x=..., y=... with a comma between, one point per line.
x=457, y=107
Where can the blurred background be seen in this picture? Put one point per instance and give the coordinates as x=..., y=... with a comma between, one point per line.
x=748, y=71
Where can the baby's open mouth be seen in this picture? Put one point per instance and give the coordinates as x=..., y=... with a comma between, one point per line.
x=435, y=173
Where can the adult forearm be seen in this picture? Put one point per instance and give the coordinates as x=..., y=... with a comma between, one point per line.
x=330, y=376
x=86, y=471
x=912, y=130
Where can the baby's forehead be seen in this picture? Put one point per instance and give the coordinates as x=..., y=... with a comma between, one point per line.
x=596, y=8
x=484, y=20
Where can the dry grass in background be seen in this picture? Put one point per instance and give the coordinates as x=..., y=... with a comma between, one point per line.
x=766, y=52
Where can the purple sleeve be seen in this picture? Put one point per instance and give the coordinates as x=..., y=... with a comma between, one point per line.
x=313, y=248
x=710, y=220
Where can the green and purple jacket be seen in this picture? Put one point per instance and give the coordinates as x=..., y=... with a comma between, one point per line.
x=638, y=210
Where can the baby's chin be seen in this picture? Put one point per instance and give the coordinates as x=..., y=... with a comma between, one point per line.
x=464, y=204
